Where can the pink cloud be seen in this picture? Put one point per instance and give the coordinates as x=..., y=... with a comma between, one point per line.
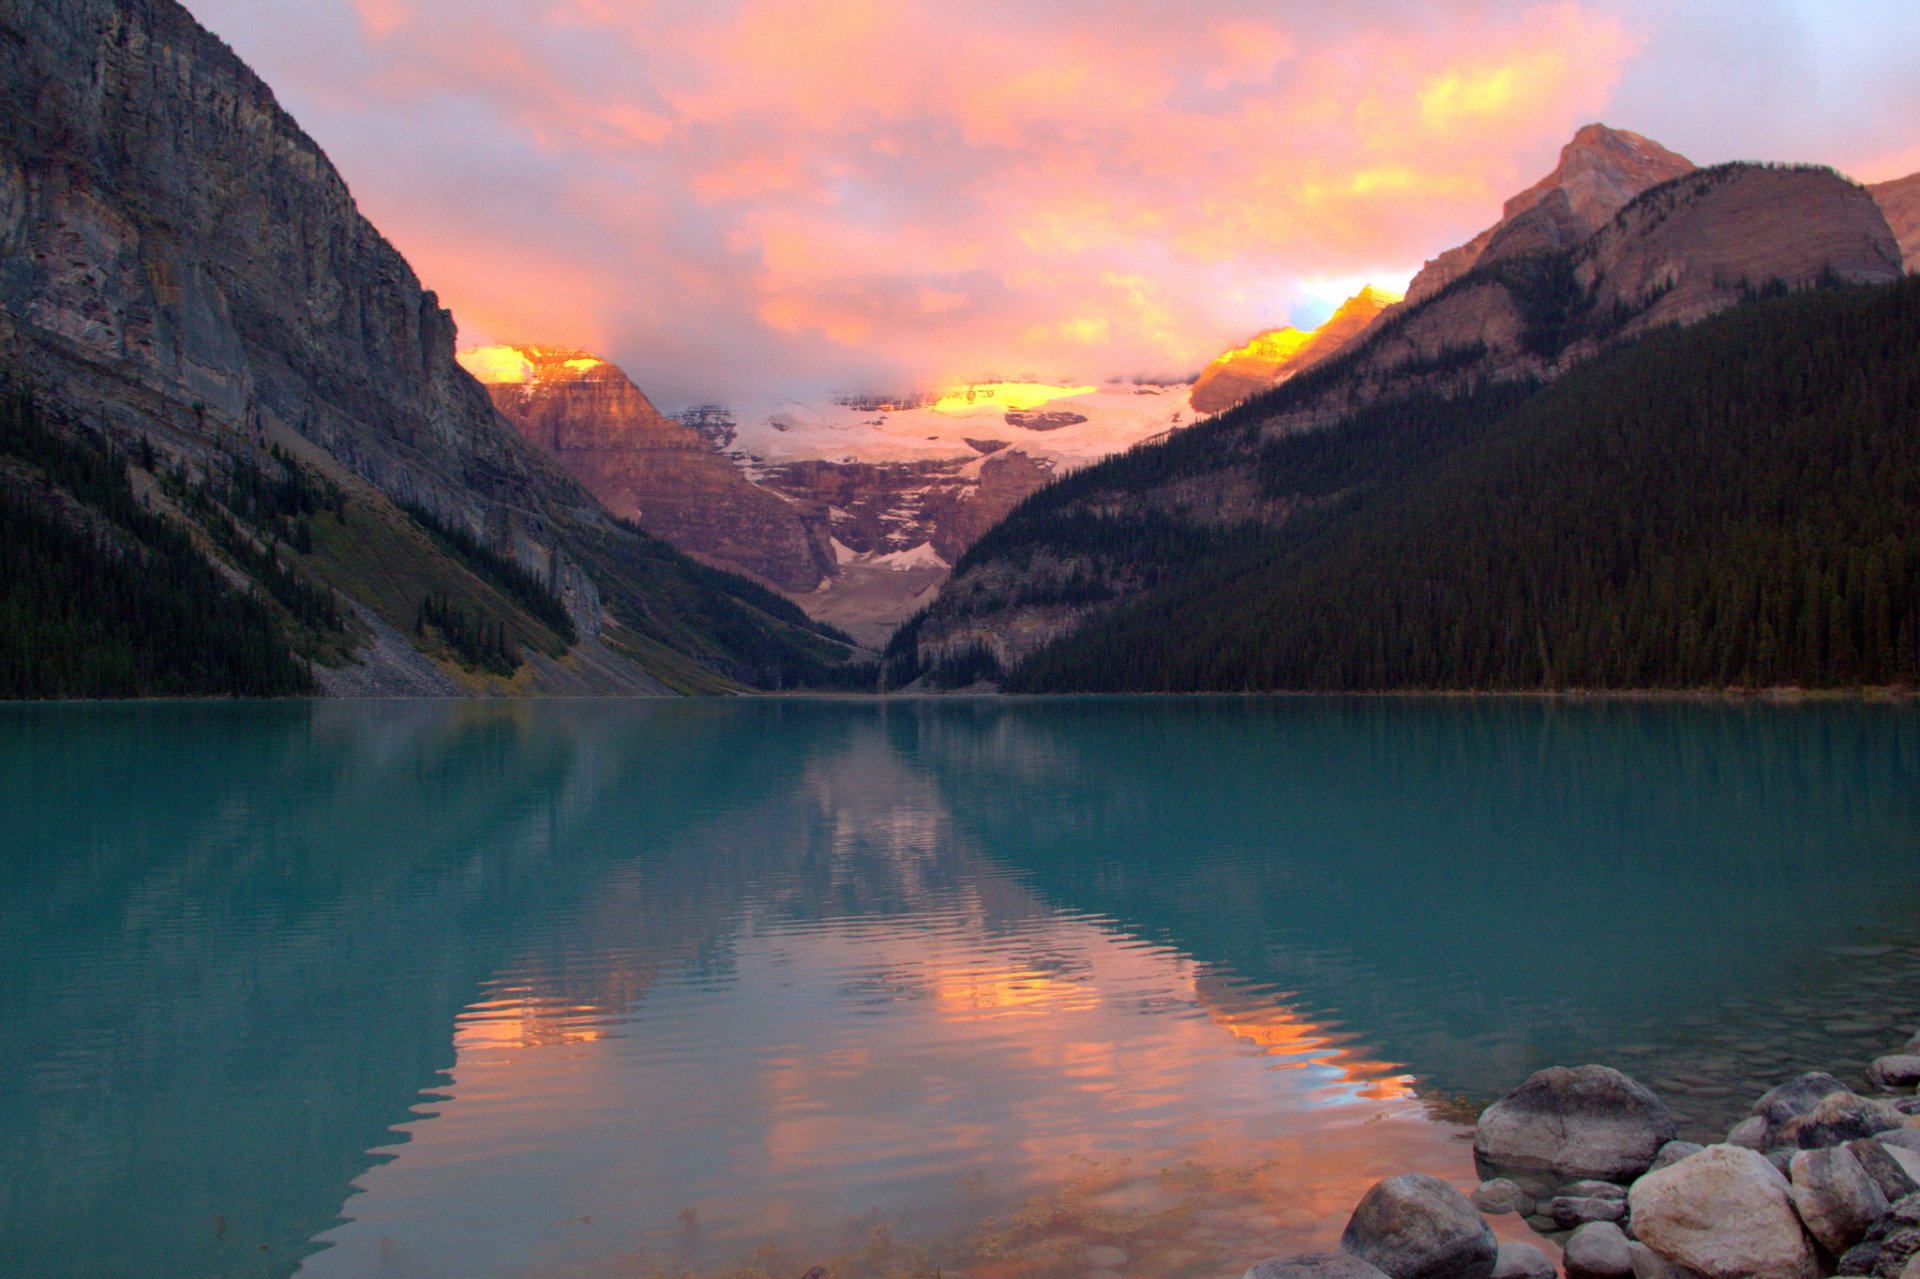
x=732, y=196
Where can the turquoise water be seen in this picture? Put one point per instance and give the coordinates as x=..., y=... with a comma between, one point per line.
x=438, y=989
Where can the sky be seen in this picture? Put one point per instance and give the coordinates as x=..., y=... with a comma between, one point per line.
x=739, y=199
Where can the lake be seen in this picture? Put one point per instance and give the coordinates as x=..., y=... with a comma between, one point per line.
x=984, y=988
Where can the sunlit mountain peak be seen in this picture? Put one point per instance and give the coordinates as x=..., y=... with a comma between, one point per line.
x=1005, y=397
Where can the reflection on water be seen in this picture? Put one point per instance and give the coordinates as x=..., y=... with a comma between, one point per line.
x=573, y=989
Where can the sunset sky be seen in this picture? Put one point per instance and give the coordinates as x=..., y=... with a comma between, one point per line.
x=736, y=198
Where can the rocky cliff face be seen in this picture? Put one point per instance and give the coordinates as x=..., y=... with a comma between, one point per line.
x=180, y=263
x=1900, y=201
x=1600, y=172
x=589, y=416
x=1274, y=356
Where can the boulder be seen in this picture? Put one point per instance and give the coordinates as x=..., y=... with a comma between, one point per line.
x=1314, y=1265
x=1908, y=1106
x=1895, y=1171
x=1900, y=1139
x=1419, y=1227
x=1835, y=1197
x=1795, y=1098
x=1598, y=1251
x=1571, y=1212
x=1902, y=1070
x=1579, y=1122
x=1890, y=1246
x=1648, y=1264
x=1674, y=1151
x=1750, y=1132
x=1498, y=1197
x=1726, y=1213
x=1522, y=1261
x=1838, y=1118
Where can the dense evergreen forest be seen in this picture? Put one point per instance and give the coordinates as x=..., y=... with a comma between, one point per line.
x=101, y=598
x=1735, y=504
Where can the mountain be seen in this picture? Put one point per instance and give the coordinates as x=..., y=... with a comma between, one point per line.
x=1278, y=354
x=188, y=292
x=1691, y=247
x=1728, y=505
x=589, y=416
x=1601, y=171
x=1900, y=201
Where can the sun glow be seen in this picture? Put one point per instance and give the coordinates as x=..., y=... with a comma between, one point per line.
x=496, y=365
x=1005, y=397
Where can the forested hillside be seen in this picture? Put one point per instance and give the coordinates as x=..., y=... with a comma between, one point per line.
x=1735, y=504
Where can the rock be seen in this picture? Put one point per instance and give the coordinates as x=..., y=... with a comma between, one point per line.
x=1909, y=1106
x=1838, y=1118
x=1570, y=1213
x=1901, y=1070
x=1598, y=1251
x=1835, y=1197
x=1648, y=1264
x=1591, y=1189
x=1583, y=1122
x=1781, y=1157
x=1279, y=354
x=1314, y=1265
x=1674, y=1151
x=1895, y=1171
x=1522, y=1261
x=1726, y=1213
x=1795, y=1098
x=1860, y=1259
x=1900, y=1139
x=1498, y=1197
x=1750, y=1133
x=1419, y=1227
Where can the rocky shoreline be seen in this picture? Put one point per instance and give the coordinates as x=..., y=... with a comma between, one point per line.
x=1818, y=1180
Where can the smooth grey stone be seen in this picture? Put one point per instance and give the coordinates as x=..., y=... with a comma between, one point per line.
x=1522, y=1261
x=1598, y=1250
x=1597, y=1189
x=1418, y=1227
x=1314, y=1265
x=1674, y=1151
x=1902, y=1070
x=1570, y=1213
x=1498, y=1197
x=1835, y=1197
x=1726, y=1211
x=1648, y=1264
x=1795, y=1098
x=1905, y=1138
x=1750, y=1132
x=1897, y=1175
x=1839, y=1118
x=1579, y=1122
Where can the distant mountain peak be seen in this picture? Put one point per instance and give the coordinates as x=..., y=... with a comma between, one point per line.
x=1278, y=354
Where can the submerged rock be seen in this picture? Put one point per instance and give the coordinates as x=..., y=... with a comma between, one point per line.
x=1835, y=1197
x=1522, y=1261
x=1598, y=1251
x=1419, y=1227
x=1570, y=1212
x=1579, y=1122
x=1314, y=1265
x=1726, y=1213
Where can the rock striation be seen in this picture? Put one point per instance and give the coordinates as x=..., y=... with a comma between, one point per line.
x=1278, y=354
x=644, y=466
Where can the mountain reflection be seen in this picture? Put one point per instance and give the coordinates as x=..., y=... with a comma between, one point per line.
x=449, y=989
